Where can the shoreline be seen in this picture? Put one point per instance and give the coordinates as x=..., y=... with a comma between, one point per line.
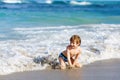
x=100, y=70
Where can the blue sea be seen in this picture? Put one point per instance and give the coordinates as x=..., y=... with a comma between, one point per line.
x=31, y=30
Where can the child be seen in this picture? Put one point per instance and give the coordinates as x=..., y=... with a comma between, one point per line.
x=71, y=54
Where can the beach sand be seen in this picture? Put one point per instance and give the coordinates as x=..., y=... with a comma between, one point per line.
x=100, y=70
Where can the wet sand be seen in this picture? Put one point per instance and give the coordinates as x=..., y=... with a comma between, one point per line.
x=101, y=70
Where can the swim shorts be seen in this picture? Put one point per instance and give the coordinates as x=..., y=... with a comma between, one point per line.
x=63, y=57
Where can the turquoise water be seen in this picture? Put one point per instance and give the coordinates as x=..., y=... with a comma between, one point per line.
x=56, y=14
x=34, y=14
x=32, y=30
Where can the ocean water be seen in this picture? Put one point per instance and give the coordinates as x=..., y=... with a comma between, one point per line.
x=31, y=30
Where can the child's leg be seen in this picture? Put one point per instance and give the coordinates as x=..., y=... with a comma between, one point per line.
x=62, y=63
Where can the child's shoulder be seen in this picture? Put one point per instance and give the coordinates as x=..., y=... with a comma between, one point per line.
x=79, y=48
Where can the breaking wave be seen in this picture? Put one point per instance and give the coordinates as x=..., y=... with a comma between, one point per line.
x=41, y=46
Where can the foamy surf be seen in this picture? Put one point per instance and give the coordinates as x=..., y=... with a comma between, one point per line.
x=12, y=1
x=49, y=1
x=38, y=44
x=83, y=3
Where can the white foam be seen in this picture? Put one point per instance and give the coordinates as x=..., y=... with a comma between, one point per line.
x=73, y=2
x=49, y=1
x=12, y=1
x=99, y=42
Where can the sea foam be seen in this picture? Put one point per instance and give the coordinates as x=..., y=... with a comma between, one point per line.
x=99, y=42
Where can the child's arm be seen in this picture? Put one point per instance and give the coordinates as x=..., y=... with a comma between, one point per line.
x=68, y=57
x=76, y=59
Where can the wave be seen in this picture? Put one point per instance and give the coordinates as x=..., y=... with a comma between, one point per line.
x=46, y=1
x=49, y=1
x=99, y=42
x=11, y=1
x=34, y=2
x=72, y=2
x=31, y=1
x=80, y=3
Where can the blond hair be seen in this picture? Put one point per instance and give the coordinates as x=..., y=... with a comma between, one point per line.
x=76, y=38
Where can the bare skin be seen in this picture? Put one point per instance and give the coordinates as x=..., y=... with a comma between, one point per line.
x=72, y=53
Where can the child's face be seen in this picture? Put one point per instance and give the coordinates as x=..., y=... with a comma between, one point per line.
x=74, y=44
